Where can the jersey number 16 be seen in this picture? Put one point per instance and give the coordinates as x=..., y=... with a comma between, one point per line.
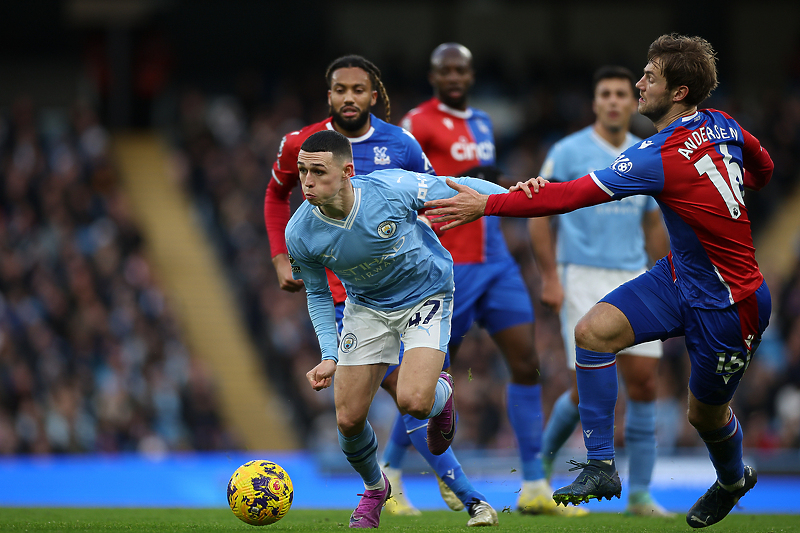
x=732, y=195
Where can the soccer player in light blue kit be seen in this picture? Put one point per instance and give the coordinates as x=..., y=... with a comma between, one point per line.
x=354, y=88
x=399, y=283
x=597, y=249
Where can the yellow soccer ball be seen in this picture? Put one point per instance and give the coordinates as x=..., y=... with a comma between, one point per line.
x=260, y=493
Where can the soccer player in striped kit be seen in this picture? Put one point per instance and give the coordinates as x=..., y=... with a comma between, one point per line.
x=708, y=289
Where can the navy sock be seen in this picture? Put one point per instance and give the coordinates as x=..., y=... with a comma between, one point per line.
x=597, y=390
x=725, y=449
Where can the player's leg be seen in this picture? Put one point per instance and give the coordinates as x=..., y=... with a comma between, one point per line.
x=446, y=466
x=423, y=390
x=732, y=335
x=354, y=388
x=449, y=470
x=582, y=289
x=395, y=451
x=638, y=367
x=643, y=309
x=368, y=347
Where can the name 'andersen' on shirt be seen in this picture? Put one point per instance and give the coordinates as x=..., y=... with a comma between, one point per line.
x=705, y=134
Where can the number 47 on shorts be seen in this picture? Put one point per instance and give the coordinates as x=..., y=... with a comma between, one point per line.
x=415, y=320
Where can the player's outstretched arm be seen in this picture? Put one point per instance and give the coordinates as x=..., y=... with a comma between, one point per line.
x=321, y=376
x=466, y=206
x=554, y=199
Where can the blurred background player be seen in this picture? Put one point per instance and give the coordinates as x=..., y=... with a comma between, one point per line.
x=354, y=86
x=458, y=139
x=597, y=249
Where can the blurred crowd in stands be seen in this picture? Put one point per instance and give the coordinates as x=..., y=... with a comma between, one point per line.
x=92, y=359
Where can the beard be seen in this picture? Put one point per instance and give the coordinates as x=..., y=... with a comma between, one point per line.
x=655, y=111
x=350, y=124
x=459, y=102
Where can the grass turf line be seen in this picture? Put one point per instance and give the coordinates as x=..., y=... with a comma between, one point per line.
x=301, y=521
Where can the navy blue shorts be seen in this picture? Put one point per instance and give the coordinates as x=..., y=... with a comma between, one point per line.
x=340, y=316
x=720, y=342
x=491, y=294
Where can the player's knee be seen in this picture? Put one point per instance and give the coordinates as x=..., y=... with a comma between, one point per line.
x=586, y=335
x=696, y=419
x=415, y=404
x=349, y=424
x=642, y=390
x=524, y=371
x=703, y=419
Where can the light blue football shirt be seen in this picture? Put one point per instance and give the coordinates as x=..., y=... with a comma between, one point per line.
x=386, y=259
x=609, y=235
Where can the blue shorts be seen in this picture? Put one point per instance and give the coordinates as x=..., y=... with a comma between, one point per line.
x=340, y=316
x=491, y=294
x=720, y=342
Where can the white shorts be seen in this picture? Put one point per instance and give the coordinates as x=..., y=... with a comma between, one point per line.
x=584, y=286
x=370, y=336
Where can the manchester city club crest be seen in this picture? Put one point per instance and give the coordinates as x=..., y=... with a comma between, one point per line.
x=386, y=229
x=349, y=342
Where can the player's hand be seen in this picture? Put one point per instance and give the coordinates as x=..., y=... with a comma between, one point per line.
x=533, y=183
x=464, y=207
x=552, y=293
x=284, y=271
x=321, y=376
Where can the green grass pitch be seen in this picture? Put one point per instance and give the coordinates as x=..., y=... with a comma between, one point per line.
x=301, y=521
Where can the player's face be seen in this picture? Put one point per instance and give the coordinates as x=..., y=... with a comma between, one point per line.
x=655, y=100
x=351, y=97
x=451, y=77
x=322, y=176
x=614, y=103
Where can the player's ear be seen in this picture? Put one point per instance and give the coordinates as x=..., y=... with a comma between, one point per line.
x=349, y=169
x=374, y=99
x=329, y=97
x=679, y=94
